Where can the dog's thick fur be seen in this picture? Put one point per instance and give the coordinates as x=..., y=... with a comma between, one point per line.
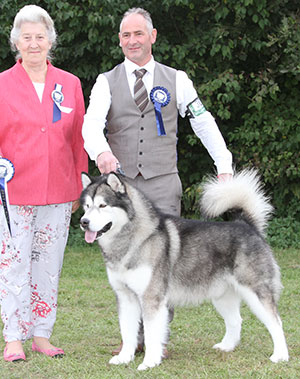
x=155, y=261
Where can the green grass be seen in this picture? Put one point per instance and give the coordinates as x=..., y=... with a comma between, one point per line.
x=87, y=329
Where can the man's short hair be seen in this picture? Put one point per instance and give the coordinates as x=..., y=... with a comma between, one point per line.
x=143, y=13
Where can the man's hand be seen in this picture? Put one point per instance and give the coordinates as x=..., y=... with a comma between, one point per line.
x=224, y=177
x=107, y=162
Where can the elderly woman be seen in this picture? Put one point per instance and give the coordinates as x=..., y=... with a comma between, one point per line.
x=41, y=115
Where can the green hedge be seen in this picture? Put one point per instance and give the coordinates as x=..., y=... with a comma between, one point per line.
x=243, y=56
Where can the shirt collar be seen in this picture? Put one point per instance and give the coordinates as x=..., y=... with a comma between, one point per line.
x=130, y=66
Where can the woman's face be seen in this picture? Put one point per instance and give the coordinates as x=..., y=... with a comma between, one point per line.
x=33, y=43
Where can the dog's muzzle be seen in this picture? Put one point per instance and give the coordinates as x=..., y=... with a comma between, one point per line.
x=92, y=236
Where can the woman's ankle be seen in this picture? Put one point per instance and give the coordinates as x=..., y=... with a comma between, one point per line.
x=42, y=342
x=14, y=347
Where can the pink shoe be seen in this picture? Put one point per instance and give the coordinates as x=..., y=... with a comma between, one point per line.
x=55, y=352
x=13, y=357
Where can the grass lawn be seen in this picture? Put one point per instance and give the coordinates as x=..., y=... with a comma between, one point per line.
x=87, y=329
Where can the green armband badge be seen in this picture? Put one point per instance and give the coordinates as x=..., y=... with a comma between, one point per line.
x=195, y=108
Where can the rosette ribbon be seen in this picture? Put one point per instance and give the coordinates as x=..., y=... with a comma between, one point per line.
x=58, y=98
x=7, y=172
x=160, y=97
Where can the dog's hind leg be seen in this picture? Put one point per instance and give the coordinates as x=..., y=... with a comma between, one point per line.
x=129, y=320
x=228, y=305
x=266, y=311
x=156, y=336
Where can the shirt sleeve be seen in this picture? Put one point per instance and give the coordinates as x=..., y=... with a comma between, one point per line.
x=203, y=125
x=95, y=142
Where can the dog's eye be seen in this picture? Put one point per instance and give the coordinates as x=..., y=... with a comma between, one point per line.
x=102, y=205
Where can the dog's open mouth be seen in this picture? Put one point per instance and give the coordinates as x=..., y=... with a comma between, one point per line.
x=90, y=236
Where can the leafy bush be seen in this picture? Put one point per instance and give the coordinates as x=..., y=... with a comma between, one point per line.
x=284, y=232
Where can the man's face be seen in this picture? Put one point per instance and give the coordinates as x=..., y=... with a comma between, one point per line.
x=135, y=39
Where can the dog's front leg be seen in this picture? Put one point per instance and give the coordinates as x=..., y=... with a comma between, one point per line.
x=129, y=319
x=156, y=336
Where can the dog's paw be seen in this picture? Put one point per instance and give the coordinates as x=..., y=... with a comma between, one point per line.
x=149, y=363
x=224, y=346
x=144, y=366
x=275, y=358
x=121, y=359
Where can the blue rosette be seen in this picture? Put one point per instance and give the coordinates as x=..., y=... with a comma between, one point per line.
x=58, y=98
x=160, y=97
x=7, y=169
x=7, y=172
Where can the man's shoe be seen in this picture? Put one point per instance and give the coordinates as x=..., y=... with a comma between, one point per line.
x=139, y=349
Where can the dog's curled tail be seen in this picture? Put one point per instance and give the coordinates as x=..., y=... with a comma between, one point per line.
x=243, y=192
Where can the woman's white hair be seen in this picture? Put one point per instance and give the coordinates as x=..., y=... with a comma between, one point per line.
x=34, y=14
x=141, y=12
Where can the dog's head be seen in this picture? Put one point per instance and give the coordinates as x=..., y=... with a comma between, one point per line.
x=105, y=201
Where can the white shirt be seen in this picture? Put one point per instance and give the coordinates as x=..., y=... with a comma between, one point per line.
x=39, y=87
x=204, y=125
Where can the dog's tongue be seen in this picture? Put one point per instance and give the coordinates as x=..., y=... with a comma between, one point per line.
x=90, y=236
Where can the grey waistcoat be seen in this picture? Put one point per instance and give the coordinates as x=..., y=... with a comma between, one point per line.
x=133, y=136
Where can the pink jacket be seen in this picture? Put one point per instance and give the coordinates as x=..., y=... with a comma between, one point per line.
x=48, y=157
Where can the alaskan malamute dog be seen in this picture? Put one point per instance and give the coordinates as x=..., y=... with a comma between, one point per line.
x=155, y=261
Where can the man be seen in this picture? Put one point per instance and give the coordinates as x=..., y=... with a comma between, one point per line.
x=148, y=159
x=141, y=132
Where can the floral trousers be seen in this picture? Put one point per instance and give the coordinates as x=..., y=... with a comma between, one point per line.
x=30, y=266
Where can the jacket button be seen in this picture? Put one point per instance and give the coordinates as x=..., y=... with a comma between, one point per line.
x=141, y=153
x=43, y=130
x=142, y=115
x=142, y=128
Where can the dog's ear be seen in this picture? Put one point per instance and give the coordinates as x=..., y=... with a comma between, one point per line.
x=85, y=180
x=115, y=183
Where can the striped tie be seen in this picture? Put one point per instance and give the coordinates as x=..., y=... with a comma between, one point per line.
x=140, y=92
